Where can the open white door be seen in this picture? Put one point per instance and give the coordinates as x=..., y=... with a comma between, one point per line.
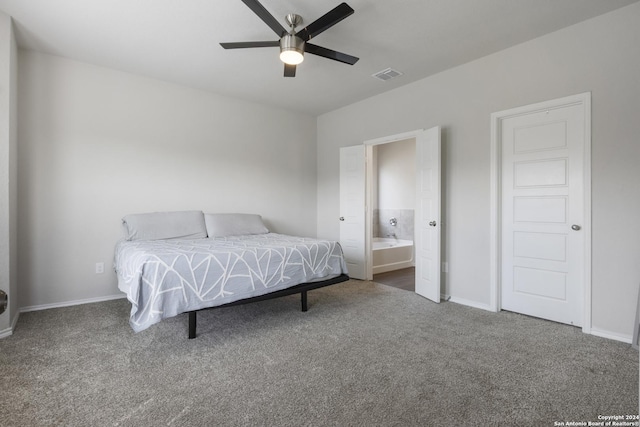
x=427, y=214
x=352, y=210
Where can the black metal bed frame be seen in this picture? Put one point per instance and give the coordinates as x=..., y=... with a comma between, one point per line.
x=302, y=288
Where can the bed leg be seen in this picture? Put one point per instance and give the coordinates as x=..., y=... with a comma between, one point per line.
x=192, y=325
x=303, y=295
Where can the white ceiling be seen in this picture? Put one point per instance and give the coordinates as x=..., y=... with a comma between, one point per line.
x=178, y=41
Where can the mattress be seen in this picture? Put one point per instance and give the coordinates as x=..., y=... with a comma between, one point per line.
x=163, y=278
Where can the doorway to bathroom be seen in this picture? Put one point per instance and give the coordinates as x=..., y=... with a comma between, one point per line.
x=392, y=199
x=356, y=215
x=402, y=200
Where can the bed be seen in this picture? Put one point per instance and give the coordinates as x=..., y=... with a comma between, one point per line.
x=183, y=262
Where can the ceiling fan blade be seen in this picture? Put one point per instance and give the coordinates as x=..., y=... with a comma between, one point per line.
x=268, y=19
x=325, y=22
x=331, y=54
x=289, y=70
x=243, y=45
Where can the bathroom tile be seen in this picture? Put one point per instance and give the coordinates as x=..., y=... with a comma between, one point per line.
x=404, y=229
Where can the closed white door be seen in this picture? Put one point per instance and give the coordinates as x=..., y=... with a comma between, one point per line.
x=427, y=213
x=352, y=210
x=543, y=213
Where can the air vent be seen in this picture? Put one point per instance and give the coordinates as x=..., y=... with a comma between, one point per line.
x=387, y=74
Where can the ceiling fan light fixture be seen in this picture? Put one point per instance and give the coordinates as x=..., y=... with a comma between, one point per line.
x=291, y=49
x=293, y=44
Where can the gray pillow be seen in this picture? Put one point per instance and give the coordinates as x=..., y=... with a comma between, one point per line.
x=234, y=224
x=165, y=225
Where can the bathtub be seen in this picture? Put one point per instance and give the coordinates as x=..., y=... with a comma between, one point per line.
x=391, y=254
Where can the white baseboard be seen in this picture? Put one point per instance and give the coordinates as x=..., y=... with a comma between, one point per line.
x=6, y=333
x=9, y=331
x=70, y=303
x=470, y=303
x=594, y=331
x=611, y=335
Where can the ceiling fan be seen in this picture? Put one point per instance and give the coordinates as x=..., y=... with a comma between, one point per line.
x=293, y=44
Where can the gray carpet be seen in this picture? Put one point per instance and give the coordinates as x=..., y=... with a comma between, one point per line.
x=364, y=354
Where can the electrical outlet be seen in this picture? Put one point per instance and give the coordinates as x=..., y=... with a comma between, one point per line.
x=99, y=267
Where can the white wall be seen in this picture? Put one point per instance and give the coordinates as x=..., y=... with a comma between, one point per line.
x=599, y=55
x=8, y=173
x=97, y=144
x=396, y=187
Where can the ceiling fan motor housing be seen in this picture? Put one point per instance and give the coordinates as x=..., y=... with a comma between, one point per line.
x=291, y=49
x=291, y=42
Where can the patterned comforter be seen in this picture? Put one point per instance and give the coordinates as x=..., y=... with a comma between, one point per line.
x=163, y=278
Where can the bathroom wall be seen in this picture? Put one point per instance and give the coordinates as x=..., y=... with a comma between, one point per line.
x=395, y=189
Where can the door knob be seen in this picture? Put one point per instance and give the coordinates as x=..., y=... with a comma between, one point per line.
x=341, y=218
x=575, y=227
x=432, y=223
